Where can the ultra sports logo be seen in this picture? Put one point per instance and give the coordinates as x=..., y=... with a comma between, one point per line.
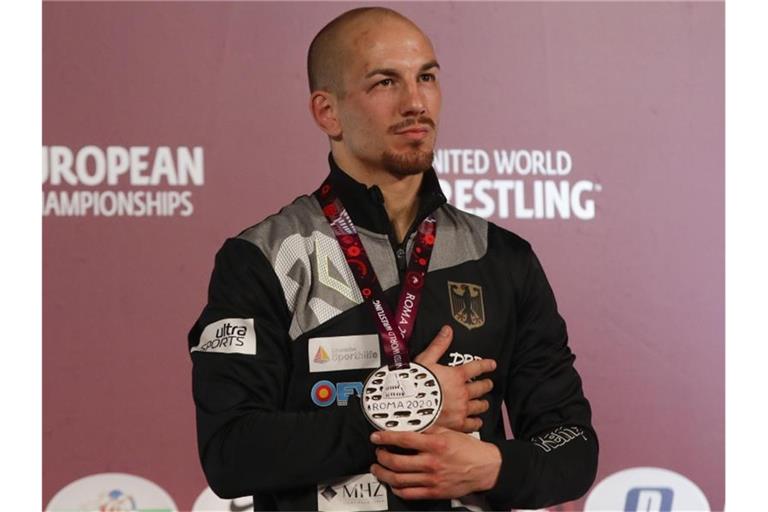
x=229, y=336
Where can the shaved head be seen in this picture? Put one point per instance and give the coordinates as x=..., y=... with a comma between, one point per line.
x=374, y=90
x=329, y=49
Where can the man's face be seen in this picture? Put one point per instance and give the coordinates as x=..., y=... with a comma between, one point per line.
x=391, y=107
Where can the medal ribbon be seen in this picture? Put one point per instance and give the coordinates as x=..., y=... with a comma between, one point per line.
x=395, y=329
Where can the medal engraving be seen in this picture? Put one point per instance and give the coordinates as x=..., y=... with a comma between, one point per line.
x=405, y=399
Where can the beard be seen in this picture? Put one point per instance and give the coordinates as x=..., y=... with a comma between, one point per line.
x=407, y=164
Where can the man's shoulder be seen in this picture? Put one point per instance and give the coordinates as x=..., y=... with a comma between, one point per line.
x=479, y=233
x=301, y=217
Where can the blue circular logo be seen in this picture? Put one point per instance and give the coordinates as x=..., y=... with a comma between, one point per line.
x=323, y=393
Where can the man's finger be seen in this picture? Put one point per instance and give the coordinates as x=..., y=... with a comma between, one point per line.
x=471, y=425
x=479, y=388
x=399, y=480
x=416, y=493
x=437, y=347
x=418, y=463
x=475, y=407
x=410, y=440
x=478, y=367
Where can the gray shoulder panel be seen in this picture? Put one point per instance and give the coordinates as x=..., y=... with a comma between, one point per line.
x=461, y=237
x=302, y=217
x=315, y=278
x=314, y=275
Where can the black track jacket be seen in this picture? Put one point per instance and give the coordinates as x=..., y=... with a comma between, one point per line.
x=282, y=347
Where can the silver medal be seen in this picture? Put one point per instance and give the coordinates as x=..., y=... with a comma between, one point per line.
x=404, y=400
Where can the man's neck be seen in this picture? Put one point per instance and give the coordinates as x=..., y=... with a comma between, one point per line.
x=401, y=193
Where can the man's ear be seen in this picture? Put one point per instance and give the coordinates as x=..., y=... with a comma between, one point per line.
x=323, y=106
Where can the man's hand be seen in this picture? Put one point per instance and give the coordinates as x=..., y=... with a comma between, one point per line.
x=461, y=398
x=447, y=464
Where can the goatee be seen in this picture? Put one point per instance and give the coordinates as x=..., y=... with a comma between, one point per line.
x=407, y=164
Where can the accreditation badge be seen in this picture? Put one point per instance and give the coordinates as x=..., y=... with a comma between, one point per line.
x=408, y=399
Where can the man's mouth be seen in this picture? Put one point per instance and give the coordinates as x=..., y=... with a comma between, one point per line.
x=415, y=133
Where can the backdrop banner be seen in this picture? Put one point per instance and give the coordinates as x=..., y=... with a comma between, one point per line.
x=593, y=130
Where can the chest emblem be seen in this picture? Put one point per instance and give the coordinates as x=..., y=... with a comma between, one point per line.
x=467, y=304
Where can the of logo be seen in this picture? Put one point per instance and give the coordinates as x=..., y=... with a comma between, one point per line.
x=337, y=353
x=113, y=492
x=467, y=304
x=458, y=359
x=228, y=336
x=646, y=489
x=358, y=492
x=209, y=502
x=324, y=393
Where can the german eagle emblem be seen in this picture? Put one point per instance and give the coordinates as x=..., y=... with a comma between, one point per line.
x=467, y=304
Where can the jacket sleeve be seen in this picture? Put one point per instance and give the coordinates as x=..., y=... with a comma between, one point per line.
x=248, y=443
x=553, y=458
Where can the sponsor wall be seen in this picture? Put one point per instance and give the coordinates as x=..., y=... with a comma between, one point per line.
x=594, y=130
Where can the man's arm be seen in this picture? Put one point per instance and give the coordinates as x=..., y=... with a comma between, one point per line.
x=247, y=443
x=553, y=457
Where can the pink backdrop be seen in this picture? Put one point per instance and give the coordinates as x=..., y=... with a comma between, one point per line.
x=633, y=92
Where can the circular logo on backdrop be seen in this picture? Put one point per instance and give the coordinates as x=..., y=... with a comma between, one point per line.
x=648, y=490
x=115, y=492
x=209, y=502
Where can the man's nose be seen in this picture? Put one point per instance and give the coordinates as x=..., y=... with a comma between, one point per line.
x=413, y=100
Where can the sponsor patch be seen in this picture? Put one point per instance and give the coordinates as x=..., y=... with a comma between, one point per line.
x=228, y=336
x=467, y=304
x=558, y=437
x=325, y=392
x=358, y=492
x=458, y=359
x=343, y=353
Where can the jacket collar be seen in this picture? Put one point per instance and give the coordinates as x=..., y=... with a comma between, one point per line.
x=365, y=205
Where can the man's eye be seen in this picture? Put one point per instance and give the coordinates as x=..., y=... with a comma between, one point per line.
x=428, y=77
x=386, y=82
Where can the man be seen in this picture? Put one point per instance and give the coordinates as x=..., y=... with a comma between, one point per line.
x=287, y=338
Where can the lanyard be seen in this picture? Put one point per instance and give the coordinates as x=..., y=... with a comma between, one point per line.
x=395, y=329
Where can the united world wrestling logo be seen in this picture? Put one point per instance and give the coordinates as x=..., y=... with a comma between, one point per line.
x=467, y=304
